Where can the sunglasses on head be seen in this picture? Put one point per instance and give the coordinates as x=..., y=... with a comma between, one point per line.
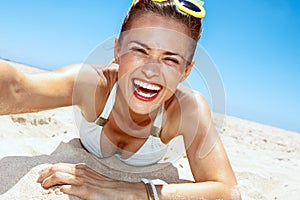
x=191, y=7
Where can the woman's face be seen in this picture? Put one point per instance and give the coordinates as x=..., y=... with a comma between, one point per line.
x=153, y=57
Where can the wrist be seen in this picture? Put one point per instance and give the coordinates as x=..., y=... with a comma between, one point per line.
x=135, y=191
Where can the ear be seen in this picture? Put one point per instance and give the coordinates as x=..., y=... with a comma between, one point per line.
x=117, y=51
x=188, y=70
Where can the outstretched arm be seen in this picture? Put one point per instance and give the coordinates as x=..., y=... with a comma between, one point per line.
x=21, y=93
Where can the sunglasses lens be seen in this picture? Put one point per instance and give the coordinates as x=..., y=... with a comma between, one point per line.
x=190, y=6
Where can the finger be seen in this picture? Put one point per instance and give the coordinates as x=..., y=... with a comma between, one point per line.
x=64, y=167
x=75, y=190
x=60, y=167
x=59, y=178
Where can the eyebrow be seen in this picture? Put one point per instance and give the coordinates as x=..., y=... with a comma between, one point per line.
x=169, y=53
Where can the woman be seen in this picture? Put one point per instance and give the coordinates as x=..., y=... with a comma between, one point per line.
x=131, y=103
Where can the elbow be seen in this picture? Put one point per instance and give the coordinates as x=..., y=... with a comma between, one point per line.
x=10, y=88
x=15, y=87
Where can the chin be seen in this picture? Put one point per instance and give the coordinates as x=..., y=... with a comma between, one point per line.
x=142, y=108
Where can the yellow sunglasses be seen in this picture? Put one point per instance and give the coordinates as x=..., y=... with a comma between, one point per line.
x=191, y=7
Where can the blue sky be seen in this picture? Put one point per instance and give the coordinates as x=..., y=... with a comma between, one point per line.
x=254, y=44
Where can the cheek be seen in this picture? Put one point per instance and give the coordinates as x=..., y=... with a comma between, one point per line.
x=127, y=64
x=172, y=78
x=124, y=71
x=124, y=77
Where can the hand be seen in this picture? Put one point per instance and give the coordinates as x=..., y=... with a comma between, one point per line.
x=81, y=181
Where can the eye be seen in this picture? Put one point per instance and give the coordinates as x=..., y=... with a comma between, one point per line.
x=172, y=60
x=139, y=50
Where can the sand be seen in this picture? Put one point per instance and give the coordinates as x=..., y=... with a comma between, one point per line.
x=265, y=159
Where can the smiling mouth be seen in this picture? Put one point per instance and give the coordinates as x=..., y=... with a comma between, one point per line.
x=146, y=91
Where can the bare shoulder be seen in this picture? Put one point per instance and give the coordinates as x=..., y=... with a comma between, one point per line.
x=195, y=115
x=194, y=105
x=187, y=113
x=92, y=87
x=108, y=72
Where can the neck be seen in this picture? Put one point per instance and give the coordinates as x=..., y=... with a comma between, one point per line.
x=142, y=119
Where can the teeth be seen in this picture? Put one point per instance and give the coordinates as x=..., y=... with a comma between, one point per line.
x=146, y=85
x=146, y=95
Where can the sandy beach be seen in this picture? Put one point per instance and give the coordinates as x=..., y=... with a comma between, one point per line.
x=266, y=159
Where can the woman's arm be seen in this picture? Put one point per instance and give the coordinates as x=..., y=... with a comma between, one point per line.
x=209, y=163
x=20, y=92
x=214, y=179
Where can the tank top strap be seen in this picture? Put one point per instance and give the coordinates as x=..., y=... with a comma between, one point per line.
x=103, y=118
x=157, y=124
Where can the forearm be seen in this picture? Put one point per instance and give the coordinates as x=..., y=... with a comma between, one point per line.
x=15, y=94
x=22, y=93
x=204, y=190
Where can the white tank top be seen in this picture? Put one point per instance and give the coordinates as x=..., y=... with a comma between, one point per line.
x=151, y=151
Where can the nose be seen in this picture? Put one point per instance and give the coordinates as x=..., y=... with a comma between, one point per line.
x=151, y=69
